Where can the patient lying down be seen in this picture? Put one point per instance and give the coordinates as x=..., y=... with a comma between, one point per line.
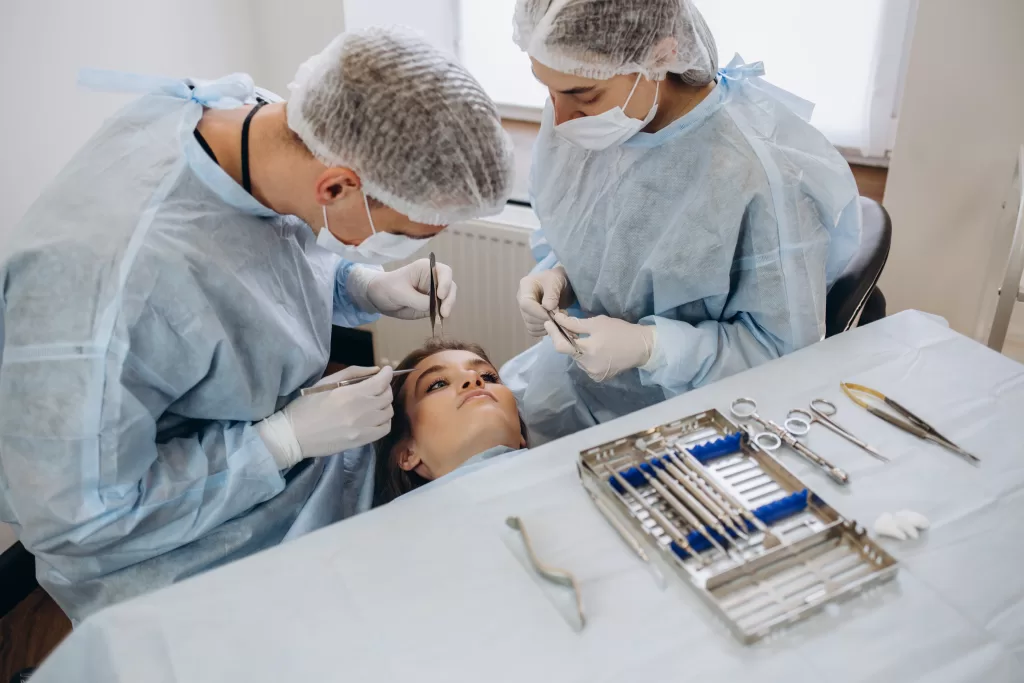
x=452, y=410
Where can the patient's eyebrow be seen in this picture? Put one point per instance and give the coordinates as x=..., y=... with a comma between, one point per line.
x=429, y=371
x=480, y=362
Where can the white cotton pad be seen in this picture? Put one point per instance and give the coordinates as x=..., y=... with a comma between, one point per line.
x=886, y=525
x=915, y=518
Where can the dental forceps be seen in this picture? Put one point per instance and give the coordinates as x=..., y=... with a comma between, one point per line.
x=559, y=576
x=319, y=389
x=576, y=350
x=798, y=422
x=912, y=424
x=746, y=408
x=434, y=304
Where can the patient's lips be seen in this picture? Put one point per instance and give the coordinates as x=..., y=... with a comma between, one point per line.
x=475, y=394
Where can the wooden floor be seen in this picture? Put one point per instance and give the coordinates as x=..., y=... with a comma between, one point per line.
x=29, y=632
x=870, y=180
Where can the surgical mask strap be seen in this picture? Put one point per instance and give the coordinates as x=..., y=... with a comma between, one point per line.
x=366, y=203
x=635, y=84
x=657, y=91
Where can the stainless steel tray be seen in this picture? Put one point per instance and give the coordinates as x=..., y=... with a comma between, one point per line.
x=802, y=556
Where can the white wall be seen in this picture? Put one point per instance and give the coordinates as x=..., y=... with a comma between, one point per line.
x=288, y=32
x=43, y=44
x=435, y=20
x=961, y=122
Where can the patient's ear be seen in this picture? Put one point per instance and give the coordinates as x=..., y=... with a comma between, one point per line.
x=406, y=456
x=410, y=460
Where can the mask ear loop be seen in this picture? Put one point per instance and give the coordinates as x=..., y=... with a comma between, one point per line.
x=635, y=84
x=657, y=92
x=366, y=203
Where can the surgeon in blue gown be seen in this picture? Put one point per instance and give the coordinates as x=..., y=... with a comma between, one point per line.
x=692, y=221
x=169, y=293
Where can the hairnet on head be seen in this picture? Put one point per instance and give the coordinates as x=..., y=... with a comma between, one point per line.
x=417, y=128
x=604, y=38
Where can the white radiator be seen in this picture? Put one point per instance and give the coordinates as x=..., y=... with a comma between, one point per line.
x=488, y=257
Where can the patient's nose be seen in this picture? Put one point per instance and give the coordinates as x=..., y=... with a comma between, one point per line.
x=476, y=381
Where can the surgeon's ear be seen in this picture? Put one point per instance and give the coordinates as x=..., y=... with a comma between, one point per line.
x=664, y=53
x=335, y=183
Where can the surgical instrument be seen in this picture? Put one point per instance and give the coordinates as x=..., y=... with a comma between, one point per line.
x=559, y=576
x=576, y=350
x=913, y=424
x=717, y=509
x=433, y=298
x=321, y=388
x=627, y=536
x=686, y=506
x=745, y=408
x=821, y=411
x=682, y=457
x=677, y=536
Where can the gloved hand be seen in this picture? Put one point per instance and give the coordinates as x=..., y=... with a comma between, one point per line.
x=402, y=293
x=547, y=290
x=319, y=425
x=611, y=347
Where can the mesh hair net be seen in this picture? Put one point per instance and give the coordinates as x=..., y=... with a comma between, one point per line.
x=604, y=38
x=415, y=126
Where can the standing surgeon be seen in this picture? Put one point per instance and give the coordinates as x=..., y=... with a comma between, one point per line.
x=691, y=221
x=171, y=290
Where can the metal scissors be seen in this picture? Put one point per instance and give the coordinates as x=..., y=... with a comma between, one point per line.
x=321, y=388
x=913, y=424
x=576, y=350
x=746, y=408
x=798, y=422
x=433, y=298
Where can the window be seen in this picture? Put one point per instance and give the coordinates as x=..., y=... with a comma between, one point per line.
x=845, y=55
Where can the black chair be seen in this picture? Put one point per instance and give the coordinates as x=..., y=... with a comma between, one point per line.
x=855, y=298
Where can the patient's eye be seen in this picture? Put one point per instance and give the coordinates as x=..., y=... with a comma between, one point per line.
x=437, y=384
x=491, y=377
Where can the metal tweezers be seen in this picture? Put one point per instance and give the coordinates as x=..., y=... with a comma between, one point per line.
x=433, y=298
x=577, y=351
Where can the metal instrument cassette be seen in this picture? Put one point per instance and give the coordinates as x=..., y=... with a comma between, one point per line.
x=767, y=552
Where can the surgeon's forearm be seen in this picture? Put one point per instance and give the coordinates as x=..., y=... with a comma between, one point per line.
x=350, y=308
x=689, y=356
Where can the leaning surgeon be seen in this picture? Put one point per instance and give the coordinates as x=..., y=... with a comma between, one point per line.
x=171, y=290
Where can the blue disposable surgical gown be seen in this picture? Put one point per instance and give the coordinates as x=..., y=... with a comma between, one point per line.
x=151, y=311
x=724, y=230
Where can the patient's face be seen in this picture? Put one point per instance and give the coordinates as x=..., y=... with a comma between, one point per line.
x=457, y=407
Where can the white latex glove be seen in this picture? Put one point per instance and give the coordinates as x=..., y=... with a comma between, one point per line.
x=548, y=290
x=319, y=425
x=402, y=293
x=611, y=346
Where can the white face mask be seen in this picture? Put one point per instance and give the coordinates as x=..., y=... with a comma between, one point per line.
x=377, y=249
x=608, y=129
